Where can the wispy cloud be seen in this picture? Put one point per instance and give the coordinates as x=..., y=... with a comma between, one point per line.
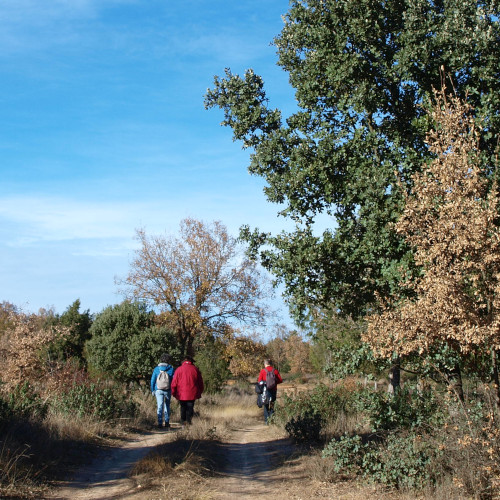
x=33, y=220
x=34, y=25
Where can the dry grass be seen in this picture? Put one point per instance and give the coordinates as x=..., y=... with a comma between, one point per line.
x=62, y=427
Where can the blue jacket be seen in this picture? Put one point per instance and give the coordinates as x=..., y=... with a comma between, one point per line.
x=156, y=372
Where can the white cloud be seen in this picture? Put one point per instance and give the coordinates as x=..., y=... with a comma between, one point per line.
x=41, y=219
x=34, y=25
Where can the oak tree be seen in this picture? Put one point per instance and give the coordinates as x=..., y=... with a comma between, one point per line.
x=200, y=281
x=450, y=219
x=22, y=344
x=126, y=342
x=361, y=71
x=246, y=355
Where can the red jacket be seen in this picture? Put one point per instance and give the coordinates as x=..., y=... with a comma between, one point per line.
x=187, y=384
x=262, y=375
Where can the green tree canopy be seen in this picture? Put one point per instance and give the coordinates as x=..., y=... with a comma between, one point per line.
x=126, y=343
x=78, y=324
x=361, y=72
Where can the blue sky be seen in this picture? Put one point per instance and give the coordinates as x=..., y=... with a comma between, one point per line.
x=103, y=131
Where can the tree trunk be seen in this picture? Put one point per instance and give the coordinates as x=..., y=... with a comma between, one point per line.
x=455, y=382
x=496, y=382
x=395, y=376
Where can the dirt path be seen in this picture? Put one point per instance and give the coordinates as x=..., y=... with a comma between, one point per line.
x=107, y=476
x=251, y=452
x=254, y=455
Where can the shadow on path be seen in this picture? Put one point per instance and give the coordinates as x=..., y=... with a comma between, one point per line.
x=106, y=474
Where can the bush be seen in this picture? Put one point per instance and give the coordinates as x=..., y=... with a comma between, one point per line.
x=214, y=368
x=305, y=427
x=346, y=453
x=25, y=402
x=6, y=413
x=90, y=400
x=126, y=343
x=399, y=460
x=305, y=415
x=405, y=410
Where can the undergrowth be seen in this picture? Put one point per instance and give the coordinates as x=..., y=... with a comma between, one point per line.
x=411, y=441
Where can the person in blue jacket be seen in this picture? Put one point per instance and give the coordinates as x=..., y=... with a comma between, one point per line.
x=162, y=395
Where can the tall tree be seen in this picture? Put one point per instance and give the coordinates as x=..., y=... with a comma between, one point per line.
x=451, y=220
x=361, y=71
x=200, y=280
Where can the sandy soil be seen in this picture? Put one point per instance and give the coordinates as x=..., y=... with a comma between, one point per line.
x=107, y=476
x=259, y=463
x=253, y=455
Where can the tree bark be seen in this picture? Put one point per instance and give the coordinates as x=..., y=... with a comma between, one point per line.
x=496, y=382
x=455, y=382
x=395, y=376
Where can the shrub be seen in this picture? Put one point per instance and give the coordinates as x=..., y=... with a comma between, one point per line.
x=6, y=412
x=305, y=415
x=305, y=427
x=90, y=400
x=25, y=402
x=213, y=366
x=399, y=460
x=126, y=343
x=346, y=453
x=405, y=410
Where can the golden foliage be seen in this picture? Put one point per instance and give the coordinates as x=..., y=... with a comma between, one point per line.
x=199, y=279
x=297, y=353
x=22, y=345
x=449, y=219
x=246, y=356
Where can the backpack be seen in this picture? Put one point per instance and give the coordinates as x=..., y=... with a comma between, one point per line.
x=163, y=381
x=260, y=403
x=270, y=380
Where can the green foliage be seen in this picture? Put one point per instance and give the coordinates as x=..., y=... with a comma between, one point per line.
x=73, y=344
x=419, y=440
x=6, y=413
x=213, y=365
x=146, y=348
x=404, y=461
x=401, y=460
x=25, y=402
x=305, y=427
x=126, y=344
x=303, y=416
x=346, y=452
x=407, y=409
x=361, y=71
x=90, y=399
x=338, y=350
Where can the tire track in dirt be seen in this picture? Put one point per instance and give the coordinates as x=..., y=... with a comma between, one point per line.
x=252, y=455
x=107, y=476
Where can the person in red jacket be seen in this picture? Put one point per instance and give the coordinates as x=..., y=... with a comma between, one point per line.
x=270, y=378
x=187, y=387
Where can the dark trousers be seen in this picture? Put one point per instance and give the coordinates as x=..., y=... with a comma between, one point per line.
x=268, y=410
x=269, y=407
x=187, y=410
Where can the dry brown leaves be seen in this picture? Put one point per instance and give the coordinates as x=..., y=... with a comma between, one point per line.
x=449, y=219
